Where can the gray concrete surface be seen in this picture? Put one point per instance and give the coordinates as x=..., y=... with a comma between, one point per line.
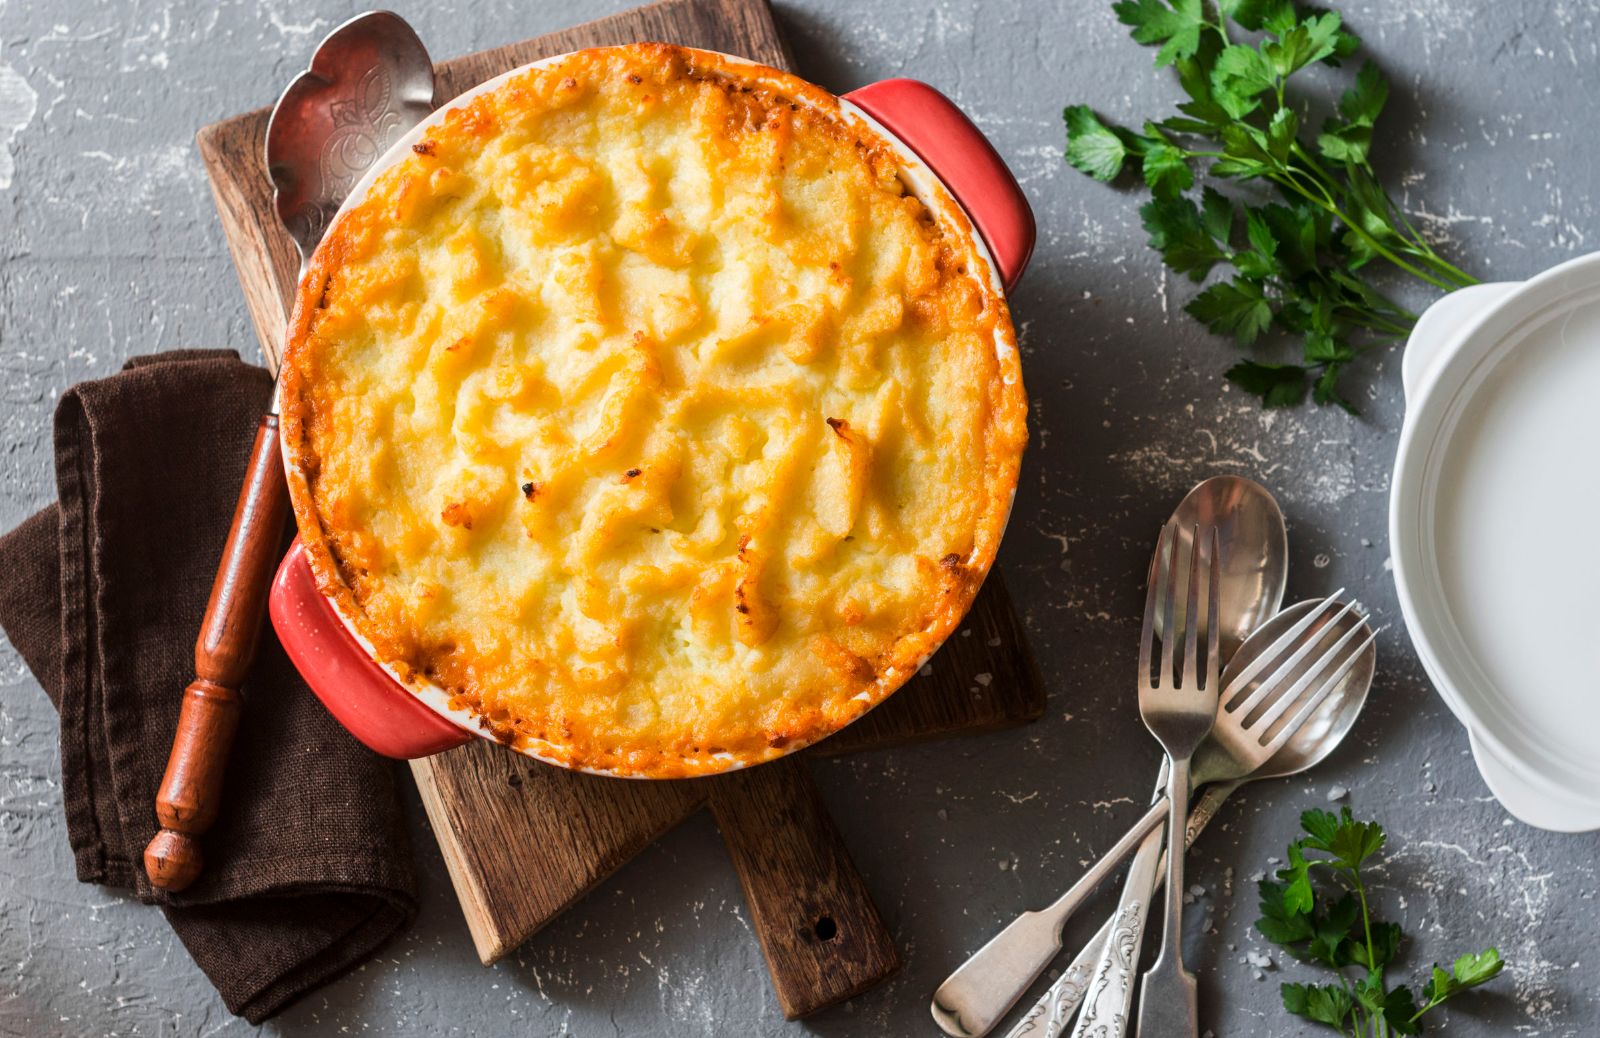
x=111, y=248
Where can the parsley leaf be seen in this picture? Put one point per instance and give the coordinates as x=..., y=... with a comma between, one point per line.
x=1279, y=923
x=1325, y=1005
x=1254, y=14
x=1350, y=842
x=1238, y=308
x=1205, y=112
x=1166, y=170
x=1309, y=41
x=1385, y=946
x=1216, y=214
x=1175, y=25
x=1278, y=385
x=1092, y=147
x=1348, y=139
x=1176, y=231
x=1363, y=103
x=1240, y=76
x=1400, y=1011
x=1260, y=261
x=1466, y=972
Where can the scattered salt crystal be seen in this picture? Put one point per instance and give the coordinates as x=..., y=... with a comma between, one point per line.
x=1197, y=890
x=1258, y=960
x=993, y=643
x=1337, y=793
x=983, y=679
x=1257, y=877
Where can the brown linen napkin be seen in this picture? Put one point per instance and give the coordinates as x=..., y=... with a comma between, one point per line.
x=308, y=870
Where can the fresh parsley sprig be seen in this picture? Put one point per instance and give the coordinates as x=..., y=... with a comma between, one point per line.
x=1299, y=263
x=1336, y=930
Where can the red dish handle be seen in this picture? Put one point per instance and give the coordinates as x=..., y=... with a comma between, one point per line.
x=357, y=692
x=960, y=155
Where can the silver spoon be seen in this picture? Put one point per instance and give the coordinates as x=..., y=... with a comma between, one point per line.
x=1254, y=545
x=369, y=81
x=1255, y=553
x=1117, y=942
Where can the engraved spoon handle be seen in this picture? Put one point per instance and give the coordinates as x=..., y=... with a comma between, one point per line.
x=1110, y=995
x=1050, y=1015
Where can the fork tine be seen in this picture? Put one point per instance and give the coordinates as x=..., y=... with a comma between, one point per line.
x=1191, y=613
x=1213, y=613
x=1270, y=657
x=1303, y=715
x=1268, y=689
x=1152, y=601
x=1313, y=674
x=1169, y=606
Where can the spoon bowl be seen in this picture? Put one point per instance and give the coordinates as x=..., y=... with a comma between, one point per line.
x=369, y=82
x=1255, y=554
x=1326, y=728
x=1326, y=725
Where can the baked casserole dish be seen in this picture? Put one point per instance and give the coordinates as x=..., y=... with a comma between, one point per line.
x=643, y=409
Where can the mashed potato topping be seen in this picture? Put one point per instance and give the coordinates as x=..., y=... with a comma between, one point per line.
x=643, y=409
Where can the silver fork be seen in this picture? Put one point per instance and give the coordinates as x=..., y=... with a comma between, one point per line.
x=1180, y=710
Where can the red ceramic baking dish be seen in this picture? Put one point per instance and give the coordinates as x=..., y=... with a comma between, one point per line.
x=942, y=154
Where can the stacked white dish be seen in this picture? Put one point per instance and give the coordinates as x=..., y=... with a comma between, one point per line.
x=1495, y=531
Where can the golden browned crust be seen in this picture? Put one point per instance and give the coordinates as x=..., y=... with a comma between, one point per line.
x=642, y=410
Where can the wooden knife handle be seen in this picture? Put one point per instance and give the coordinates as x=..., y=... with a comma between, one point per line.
x=821, y=934
x=191, y=790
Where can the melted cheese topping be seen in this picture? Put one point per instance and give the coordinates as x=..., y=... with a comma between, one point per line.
x=643, y=410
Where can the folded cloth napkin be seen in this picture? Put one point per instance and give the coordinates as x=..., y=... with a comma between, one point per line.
x=308, y=870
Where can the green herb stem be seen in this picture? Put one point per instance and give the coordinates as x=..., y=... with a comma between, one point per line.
x=1360, y=232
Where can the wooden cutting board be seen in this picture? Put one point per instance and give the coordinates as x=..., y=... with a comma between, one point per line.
x=523, y=841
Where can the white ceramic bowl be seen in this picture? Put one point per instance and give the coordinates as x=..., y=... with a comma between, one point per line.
x=1493, y=528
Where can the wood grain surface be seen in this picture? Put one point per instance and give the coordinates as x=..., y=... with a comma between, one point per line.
x=819, y=930
x=524, y=841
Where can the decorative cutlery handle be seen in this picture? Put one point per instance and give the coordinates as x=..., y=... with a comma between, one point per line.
x=977, y=995
x=191, y=790
x=1105, y=1013
x=1049, y=1016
